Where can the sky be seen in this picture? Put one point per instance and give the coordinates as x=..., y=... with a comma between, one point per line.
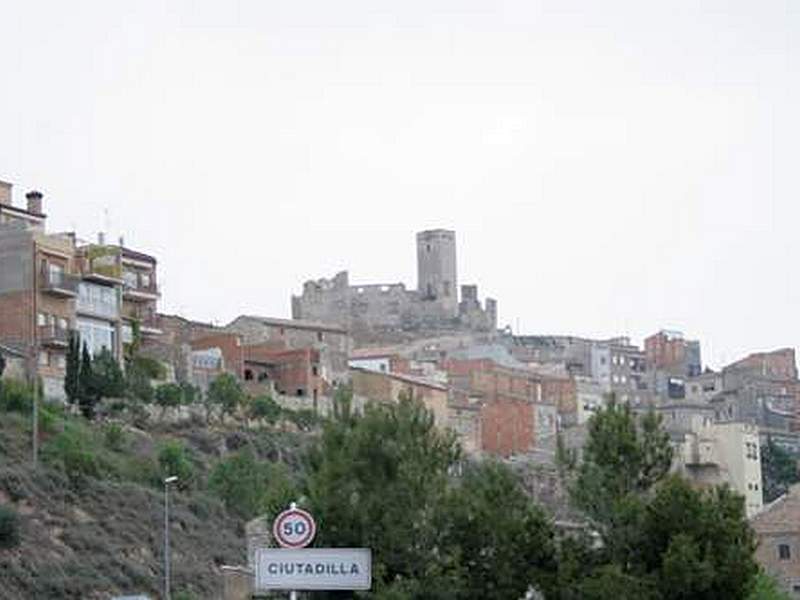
x=610, y=168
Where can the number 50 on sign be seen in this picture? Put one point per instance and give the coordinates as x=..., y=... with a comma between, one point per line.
x=294, y=528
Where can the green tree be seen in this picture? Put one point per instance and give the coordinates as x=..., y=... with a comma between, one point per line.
x=225, y=393
x=766, y=588
x=174, y=460
x=378, y=482
x=659, y=537
x=107, y=378
x=778, y=470
x=87, y=397
x=169, y=395
x=698, y=544
x=624, y=457
x=500, y=542
x=250, y=487
x=72, y=384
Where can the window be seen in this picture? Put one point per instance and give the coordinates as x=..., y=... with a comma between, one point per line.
x=63, y=323
x=44, y=359
x=41, y=319
x=96, y=335
x=314, y=371
x=61, y=361
x=320, y=337
x=784, y=552
x=98, y=299
x=300, y=392
x=248, y=375
x=131, y=279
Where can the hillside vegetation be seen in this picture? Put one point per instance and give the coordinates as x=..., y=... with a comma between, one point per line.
x=88, y=522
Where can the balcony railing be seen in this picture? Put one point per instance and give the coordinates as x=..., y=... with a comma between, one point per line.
x=52, y=335
x=142, y=292
x=59, y=283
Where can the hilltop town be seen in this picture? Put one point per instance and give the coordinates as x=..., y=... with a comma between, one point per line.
x=505, y=394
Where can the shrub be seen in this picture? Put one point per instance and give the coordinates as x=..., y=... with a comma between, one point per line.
x=114, y=437
x=264, y=408
x=305, y=419
x=9, y=528
x=250, y=487
x=169, y=395
x=16, y=396
x=73, y=450
x=174, y=460
x=226, y=393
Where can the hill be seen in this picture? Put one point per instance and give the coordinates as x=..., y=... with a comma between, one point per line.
x=91, y=516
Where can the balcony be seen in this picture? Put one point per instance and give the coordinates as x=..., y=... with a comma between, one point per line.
x=53, y=336
x=135, y=292
x=102, y=269
x=59, y=284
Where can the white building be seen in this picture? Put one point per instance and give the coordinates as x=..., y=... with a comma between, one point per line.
x=719, y=453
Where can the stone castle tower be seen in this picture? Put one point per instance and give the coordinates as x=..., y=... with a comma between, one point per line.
x=436, y=269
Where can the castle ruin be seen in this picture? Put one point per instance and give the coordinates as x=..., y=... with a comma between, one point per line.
x=434, y=305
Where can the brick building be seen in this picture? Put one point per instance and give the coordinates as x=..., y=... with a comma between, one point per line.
x=669, y=351
x=333, y=343
x=51, y=285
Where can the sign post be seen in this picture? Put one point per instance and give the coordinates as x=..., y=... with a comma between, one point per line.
x=294, y=567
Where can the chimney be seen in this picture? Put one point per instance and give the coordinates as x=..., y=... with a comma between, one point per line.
x=101, y=238
x=5, y=193
x=34, y=202
x=121, y=242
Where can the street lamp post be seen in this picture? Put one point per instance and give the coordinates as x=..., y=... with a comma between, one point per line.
x=167, y=483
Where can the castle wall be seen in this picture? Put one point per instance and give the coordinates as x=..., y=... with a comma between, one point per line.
x=393, y=307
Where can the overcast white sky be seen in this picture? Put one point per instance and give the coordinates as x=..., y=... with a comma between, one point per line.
x=610, y=167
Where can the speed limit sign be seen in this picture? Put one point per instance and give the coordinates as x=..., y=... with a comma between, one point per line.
x=294, y=528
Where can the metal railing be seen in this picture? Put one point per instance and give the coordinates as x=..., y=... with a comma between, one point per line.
x=53, y=334
x=57, y=281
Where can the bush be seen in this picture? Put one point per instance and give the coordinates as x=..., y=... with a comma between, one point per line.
x=73, y=450
x=249, y=487
x=169, y=395
x=305, y=419
x=264, y=408
x=174, y=460
x=16, y=396
x=114, y=437
x=9, y=528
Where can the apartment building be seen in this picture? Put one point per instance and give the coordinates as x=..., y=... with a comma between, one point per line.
x=50, y=285
x=724, y=453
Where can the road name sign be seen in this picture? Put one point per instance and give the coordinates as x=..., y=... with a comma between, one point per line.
x=313, y=569
x=294, y=528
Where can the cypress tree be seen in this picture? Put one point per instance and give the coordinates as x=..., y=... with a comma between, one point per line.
x=72, y=386
x=86, y=396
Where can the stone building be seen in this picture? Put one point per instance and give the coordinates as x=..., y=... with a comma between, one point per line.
x=778, y=529
x=762, y=389
x=433, y=305
x=332, y=342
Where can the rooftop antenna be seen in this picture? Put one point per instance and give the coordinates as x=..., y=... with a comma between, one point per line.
x=106, y=221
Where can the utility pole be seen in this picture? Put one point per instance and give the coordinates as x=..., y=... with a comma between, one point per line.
x=167, y=482
x=35, y=389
